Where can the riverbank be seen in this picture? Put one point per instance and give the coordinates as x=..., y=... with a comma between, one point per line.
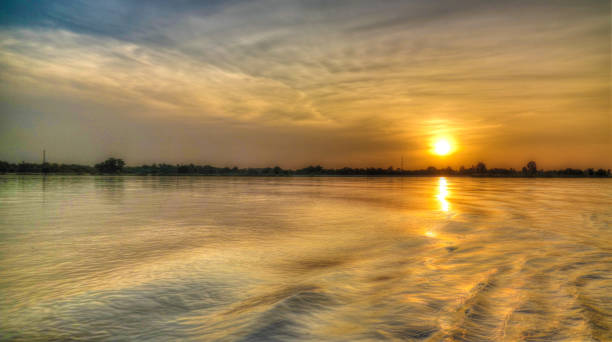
x=300, y=175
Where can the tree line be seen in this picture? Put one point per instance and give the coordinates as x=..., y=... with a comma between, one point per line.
x=118, y=166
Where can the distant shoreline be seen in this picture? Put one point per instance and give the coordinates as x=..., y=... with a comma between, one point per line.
x=114, y=166
x=291, y=175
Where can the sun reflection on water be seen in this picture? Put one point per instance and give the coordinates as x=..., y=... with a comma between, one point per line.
x=442, y=194
x=321, y=258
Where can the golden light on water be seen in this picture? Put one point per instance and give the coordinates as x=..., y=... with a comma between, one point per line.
x=442, y=194
x=442, y=147
x=444, y=205
x=442, y=243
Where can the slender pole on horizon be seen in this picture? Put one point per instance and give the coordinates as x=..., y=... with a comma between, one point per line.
x=44, y=156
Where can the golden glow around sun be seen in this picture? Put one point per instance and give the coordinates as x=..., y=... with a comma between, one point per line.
x=442, y=147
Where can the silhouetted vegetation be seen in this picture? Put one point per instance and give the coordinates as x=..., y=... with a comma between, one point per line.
x=531, y=169
x=110, y=165
x=117, y=166
x=23, y=167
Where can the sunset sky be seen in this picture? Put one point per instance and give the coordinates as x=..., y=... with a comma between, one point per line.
x=293, y=83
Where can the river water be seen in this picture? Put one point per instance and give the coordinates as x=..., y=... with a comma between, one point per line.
x=312, y=259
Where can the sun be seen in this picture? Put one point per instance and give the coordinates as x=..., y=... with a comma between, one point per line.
x=442, y=147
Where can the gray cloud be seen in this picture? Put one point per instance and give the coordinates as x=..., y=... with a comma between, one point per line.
x=333, y=82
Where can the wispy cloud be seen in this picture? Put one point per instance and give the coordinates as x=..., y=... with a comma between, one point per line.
x=392, y=74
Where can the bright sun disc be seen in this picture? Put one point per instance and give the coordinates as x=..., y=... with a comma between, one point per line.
x=442, y=147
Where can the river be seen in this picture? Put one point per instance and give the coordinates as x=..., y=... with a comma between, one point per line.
x=126, y=258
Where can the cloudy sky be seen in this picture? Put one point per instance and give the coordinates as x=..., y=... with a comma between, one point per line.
x=292, y=83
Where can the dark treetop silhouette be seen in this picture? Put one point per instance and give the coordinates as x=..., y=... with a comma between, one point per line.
x=117, y=166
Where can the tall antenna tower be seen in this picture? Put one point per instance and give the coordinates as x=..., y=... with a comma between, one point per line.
x=44, y=156
x=402, y=167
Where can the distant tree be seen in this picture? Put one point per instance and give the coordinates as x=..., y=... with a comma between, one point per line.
x=45, y=167
x=110, y=165
x=571, y=172
x=4, y=167
x=24, y=167
x=481, y=167
x=531, y=168
x=311, y=170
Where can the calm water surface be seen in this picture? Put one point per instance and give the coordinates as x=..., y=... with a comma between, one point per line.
x=315, y=259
